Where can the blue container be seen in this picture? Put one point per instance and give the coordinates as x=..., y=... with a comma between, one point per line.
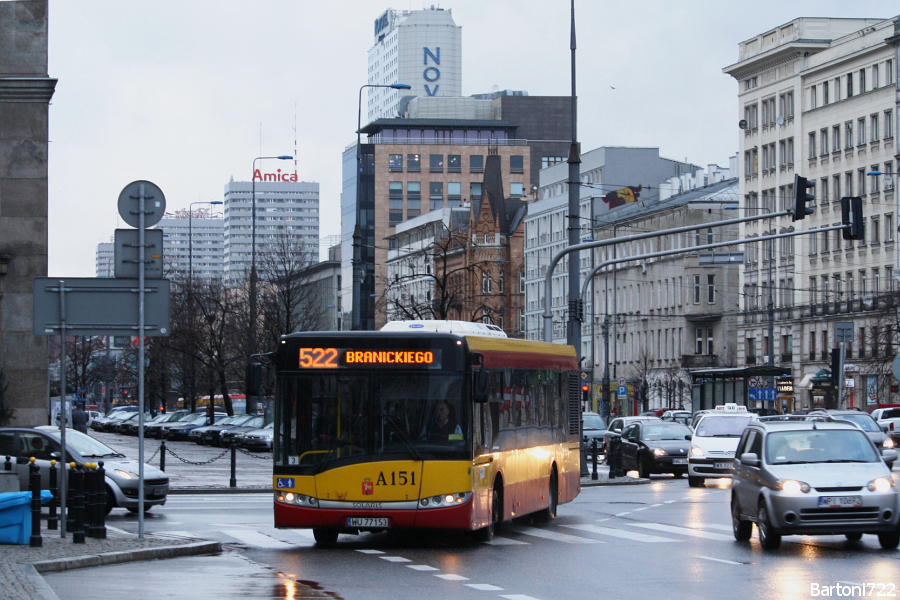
x=15, y=516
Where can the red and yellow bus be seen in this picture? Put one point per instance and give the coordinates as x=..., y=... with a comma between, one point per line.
x=418, y=429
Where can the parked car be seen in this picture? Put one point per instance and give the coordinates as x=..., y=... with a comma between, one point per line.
x=678, y=416
x=154, y=430
x=109, y=423
x=863, y=421
x=210, y=433
x=228, y=435
x=257, y=439
x=43, y=443
x=130, y=427
x=618, y=424
x=813, y=478
x=92, y=414
x=592, y=427
x=116, y=426
x=181, y=429
x=656, y=447
x=715, y=439
x=764, y=412
x=656, y=412
x=889, y=421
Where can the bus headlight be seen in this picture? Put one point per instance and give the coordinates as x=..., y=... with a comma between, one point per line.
x=297, y=499
x=445, y=500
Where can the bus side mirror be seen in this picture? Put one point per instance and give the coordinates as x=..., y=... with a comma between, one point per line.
x=481, y=387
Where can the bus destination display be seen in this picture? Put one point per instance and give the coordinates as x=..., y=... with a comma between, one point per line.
x=342, y=358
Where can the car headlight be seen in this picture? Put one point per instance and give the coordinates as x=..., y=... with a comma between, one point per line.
x=659, y=452
x=881, y=484
x=697, y=451
x=792, y=487
x=888, y=443
x=126, y=474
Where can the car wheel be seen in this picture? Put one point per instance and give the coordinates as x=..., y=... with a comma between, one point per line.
x=742, y=529
x=889, y=540
x=548, y=514
x=325, y=536
x=678, y=474
x=768, y=539
x=110, y=501
x=644, y=468
x=135, y=510
x=486, y=534
x=853, y=537
x=695, y=482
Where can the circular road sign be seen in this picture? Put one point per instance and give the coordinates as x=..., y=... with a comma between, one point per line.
x=129, y=203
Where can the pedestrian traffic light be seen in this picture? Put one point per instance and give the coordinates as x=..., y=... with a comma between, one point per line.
x=801, y=197
x=836, y=367
x=585, y=392
x=852, y=215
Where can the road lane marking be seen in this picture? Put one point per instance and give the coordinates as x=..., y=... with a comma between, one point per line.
x=256, y=539
x=502, y=541
x=721, y=560
x=370, y=551
x=623, y=513
x=518, y=597
x=685, y=531
x=422, y=568
x=553, y=535
x=484, y=587
x=670, y=501
x=396, y=559
x=717, y=526
x=630, y=535
x=451, y=577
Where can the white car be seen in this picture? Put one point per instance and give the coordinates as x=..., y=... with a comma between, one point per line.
x=714, y=442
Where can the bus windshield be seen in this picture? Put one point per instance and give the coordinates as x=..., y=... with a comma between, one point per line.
x=330, y=420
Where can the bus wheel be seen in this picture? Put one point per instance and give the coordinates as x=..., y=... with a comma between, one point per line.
x=548, y=514
x=486, y=534
x=325, y=536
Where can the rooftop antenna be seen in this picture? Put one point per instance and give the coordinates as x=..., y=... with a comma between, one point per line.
x=295, y=138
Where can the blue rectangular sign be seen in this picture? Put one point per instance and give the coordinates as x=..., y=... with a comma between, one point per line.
x=284, y=483
x=763, y=394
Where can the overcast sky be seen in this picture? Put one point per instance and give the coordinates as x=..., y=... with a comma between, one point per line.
x=186, y=93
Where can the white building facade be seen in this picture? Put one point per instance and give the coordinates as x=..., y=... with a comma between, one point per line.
x=818, y=98
x=193, y=244
x=287, y=212
x=421, y=48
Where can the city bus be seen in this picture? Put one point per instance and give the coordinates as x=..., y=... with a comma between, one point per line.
x=432, y=425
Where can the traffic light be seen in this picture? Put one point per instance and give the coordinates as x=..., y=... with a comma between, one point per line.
x=852, y=215
x=836, y=367
x=801, y=197
x=585, y=392
x=253, y=379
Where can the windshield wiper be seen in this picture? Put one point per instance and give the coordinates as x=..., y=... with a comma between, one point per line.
x=843, y=460
x=403, y=437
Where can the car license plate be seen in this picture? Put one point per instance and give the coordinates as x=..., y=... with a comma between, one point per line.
x=157, y=492
x=367, y=522
x=839, y=501
x=679, y=461
x=722, y=465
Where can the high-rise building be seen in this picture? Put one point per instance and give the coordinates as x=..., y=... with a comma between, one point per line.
x=422, y=48
x=106, y=260
x=287, y=213
x=194, y=244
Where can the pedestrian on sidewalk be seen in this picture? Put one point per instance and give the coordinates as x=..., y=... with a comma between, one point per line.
x=79, y=418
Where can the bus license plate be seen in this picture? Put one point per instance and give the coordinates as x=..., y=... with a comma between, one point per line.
x=839, y=501
x=722, y=465
x=381, y=522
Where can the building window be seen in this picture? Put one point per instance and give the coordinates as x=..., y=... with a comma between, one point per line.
x=454, y=163
x=888, y=124
x=485, y=283
x=454, y=194
x=825, y=92
x=475, y=190
x=412, y=163
x=873, y=126
x=696, y=289
x=521, y=282
x=395, y=202
x=862, y=81
x=710, y=289
x=436, y=163
x=848, y=135
x=516, y=163
x=889, y=72
x=861, y=131
x=516, y=190
x=876, y=231
x=875, y=77
x=436, y=194
x=889, y=227
x=395, y=163
x=889, y=179
x=836, y=138
x=849, y=85
x=836, y=188
x=823, y=133
x=876, y=187
x=698, y=346
x=823, y=190
x=812, y=145
x=476, y=164
x=861, y=182
x=549, y=161
x=812, y=97
x=500, y=281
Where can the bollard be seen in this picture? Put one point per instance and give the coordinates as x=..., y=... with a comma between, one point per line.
x=8, y=464
x=78, y=505
x=100, y=533
x=162, y=455
x=594, y=475
x=90, y=501
x=233, y=482
x=620, y=467
x=34, y=482
x=583, y=458
x=70, y=497
x=52, y=522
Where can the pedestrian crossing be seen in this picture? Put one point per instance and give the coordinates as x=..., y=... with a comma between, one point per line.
x=644, y=532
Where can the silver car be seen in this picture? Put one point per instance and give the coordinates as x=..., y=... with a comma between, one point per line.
x=813, y=478
x=43, y=443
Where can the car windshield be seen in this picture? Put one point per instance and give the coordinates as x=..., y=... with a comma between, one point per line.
x=819, y=446
x=722, y=426
x=593, y=422
x=865, y=421
x=84, y=445
x=669, y=431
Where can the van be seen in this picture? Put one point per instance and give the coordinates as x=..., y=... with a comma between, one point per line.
x=715, y=439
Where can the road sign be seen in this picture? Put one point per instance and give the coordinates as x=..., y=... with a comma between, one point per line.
x=753, y=382
x=100, y=306
x=843, y=331
x=127, y=253
x=762, y=394
x=622, y=382
x=129, y=203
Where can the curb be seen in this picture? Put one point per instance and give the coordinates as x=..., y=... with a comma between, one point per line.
x=611, y=482
x=123, y=556
x=219, y=490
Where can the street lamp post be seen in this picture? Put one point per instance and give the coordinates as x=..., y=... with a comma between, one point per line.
x=358, y=273
x=251, y=404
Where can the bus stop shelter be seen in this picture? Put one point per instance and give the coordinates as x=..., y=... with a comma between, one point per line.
x=745, y=386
